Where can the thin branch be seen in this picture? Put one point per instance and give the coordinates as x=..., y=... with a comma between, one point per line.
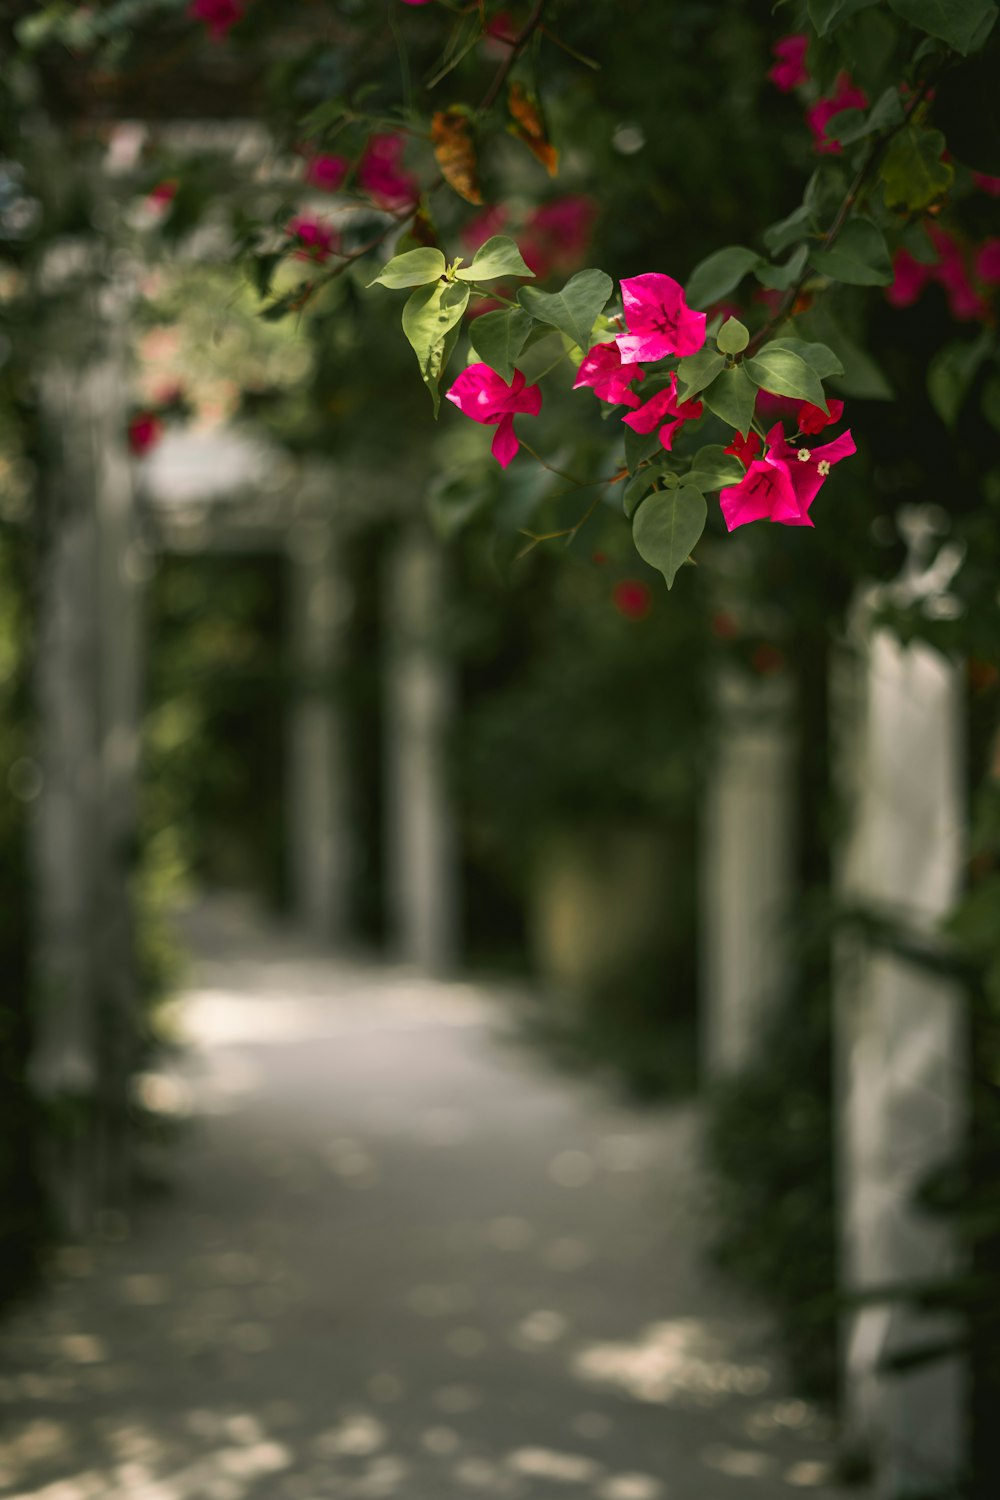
x=861, y=181
x=517, y=47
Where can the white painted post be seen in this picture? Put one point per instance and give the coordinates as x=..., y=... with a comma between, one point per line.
x=419, y=832
x=319, y=831
x=901, y=1049
x=746, y=868
x=87, y=695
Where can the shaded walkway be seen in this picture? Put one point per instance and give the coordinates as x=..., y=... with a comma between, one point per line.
x=400, y=1258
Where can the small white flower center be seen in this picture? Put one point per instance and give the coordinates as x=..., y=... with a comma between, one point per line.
x=824, y=467
x=804, y=455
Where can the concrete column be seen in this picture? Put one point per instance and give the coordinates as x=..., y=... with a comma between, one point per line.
x=746, y=868
x=319, y=822
x=901, y=1051
x=419, y=832
x=87, y=693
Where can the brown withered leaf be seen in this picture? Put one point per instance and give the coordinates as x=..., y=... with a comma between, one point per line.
x=455, y=149
x=529, y=127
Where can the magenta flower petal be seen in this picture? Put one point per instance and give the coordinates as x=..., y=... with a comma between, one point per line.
x=911, y=276
x=763, y=487
x=661, y=407
x=846, y=95
x=608, y=376
x=505, y=444
x=327, y=172
x=988, y=261
x=480, y=393
x=790, y=66
x=808, y=471
x=220, y=16
x=658, y=319
x=652, y=412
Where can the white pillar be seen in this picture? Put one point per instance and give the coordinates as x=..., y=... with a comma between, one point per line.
x=87, y=695
x=901, y=1051
x=319, y=831
x=419, y=833
x=748, y=833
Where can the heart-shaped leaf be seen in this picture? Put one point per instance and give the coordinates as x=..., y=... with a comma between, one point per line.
x=412, y=268
x=498, y=338
x=667, y=526
x=731, y=396
x=498, y=257
x=718, y=273
x=785, y=374
x=430, y=322
x=575, y=309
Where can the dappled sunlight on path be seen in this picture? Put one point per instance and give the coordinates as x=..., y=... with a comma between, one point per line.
x=399, y=1258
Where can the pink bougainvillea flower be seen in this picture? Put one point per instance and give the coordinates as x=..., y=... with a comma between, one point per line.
x=911, y=276
x=658, y=319
x=952, y=272
x=846, y=95
x=327, y=172
x=987, y=184
x=790, y=66
x=383, y=177
x=484, y=226
x=163, y=194
x=632, y=598
x=480, y=393
x=315, y=239
x=812, y=419
x=988, y=262
x=664, y=411
x=144, y=432
x=783, y=484
x=220, y=16
x=744, y=448
x=608, y=376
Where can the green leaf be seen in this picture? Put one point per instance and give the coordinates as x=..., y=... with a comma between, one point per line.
x=261, y=269
x=542, y=354
x=713, y=277
x=822, y=359
x=498, y=257
x=951, y=373
x=731, y=396
x=667, y=527
x=885, y=114
x=732, y=337
x=963, y=24
x=913, y=173
x=639, y=446
x=574, y=310
x=858, y=257
x=828, y=14
x=636, y=489
x=412, y=268
x=430, y=322
x=498, y=338
x=780, y=278
x=713, y=468
x=860, y=376
x=798, y=224
x=697, y=371
x=785, y=374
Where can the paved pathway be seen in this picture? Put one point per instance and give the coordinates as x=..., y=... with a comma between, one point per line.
x=399, y=1258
